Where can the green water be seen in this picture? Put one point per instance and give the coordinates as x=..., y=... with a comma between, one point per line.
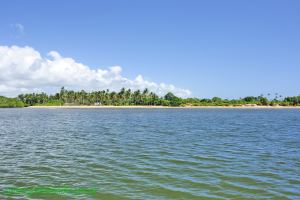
x=151, y=153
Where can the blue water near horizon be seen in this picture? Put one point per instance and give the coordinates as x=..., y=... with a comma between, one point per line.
x=152, y=153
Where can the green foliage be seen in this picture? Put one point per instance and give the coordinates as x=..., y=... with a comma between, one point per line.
x=250, y=99
x=263, y=101
x=127, y=97
x=10, y=103
x=51, y=103
x=216, y=99
x=295, y=101
x=122, y=98
x=174, y=101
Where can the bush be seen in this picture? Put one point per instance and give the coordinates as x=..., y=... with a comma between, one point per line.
x=52, y=103
x=10, y=103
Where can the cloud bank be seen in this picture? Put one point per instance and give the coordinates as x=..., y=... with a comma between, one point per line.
x=23, y=69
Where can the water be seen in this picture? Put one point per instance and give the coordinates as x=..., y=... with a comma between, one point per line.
x=152, y=153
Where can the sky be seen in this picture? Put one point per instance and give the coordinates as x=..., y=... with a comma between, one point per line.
x=193, y=48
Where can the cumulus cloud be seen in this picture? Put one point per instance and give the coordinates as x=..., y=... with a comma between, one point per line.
x=23, y=69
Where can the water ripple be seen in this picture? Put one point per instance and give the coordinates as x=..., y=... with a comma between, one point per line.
x=152, y=153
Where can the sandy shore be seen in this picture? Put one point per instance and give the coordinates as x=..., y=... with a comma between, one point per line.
x=167, y=107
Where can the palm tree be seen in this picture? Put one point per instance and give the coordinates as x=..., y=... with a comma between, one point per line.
x=137, y=97
x=128, y=96
x=145, y=96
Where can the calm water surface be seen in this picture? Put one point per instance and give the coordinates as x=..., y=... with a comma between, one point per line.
x=152, y=153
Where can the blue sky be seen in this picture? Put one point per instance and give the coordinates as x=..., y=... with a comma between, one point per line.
x=212, y=48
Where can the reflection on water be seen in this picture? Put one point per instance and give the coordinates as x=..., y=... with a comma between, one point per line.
x=152, y=153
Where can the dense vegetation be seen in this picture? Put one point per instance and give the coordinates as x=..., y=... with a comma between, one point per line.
x=127, y=97
x=10, y=102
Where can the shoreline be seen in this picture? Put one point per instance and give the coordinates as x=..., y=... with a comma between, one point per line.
x=165, y=107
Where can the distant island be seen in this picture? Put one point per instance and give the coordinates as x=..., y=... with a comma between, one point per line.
x=127, y=97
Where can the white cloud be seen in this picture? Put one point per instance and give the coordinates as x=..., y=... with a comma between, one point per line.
x=23, y=69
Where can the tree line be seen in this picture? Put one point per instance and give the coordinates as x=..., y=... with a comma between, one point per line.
x=127, y=97
x=10, y=102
